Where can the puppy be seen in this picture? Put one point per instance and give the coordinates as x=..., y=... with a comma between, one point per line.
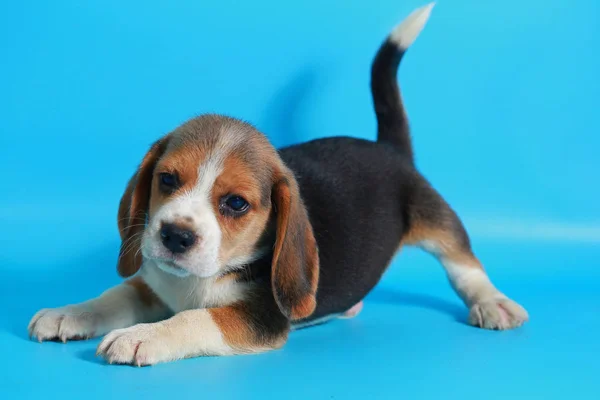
x=230, y=243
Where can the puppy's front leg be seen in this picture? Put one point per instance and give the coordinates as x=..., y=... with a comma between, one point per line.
x=234, y=329
x=124, y=305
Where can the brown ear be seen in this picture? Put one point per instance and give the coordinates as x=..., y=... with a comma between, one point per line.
x=133, y=211
x=295, y=265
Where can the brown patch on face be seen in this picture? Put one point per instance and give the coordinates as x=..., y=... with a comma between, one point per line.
x=240, y=234
x=182, y=162
x=146, y=295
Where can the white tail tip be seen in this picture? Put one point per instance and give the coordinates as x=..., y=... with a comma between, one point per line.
x=405, y=33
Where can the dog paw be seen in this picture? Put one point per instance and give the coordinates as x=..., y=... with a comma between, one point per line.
x=142, y=344
x=65, y=323
x=499, y=314
x=353, y=311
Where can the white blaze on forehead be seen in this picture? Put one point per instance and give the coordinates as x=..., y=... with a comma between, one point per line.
x=202, y=260
x=208, y=172
x=210, y=169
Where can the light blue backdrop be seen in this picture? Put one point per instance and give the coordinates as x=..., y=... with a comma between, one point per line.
x=503, y=100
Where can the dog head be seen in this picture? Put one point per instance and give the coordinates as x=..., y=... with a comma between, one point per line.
x=201, y=200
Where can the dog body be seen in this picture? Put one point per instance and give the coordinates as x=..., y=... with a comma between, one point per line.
x=230, y=243
x=359, y=191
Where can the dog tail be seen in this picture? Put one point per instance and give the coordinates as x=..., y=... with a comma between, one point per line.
x=392, y=121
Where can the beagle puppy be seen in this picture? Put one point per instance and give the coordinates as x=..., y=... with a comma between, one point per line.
x=229, y=243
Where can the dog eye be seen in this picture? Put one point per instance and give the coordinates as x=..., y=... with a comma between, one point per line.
x=233, y=205
x=168, y=182
x=236, y=203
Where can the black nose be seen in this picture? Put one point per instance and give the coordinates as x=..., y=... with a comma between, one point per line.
x=177, y=239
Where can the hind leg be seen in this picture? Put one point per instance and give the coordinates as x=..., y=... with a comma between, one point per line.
x=436, y=228
x=353, y=311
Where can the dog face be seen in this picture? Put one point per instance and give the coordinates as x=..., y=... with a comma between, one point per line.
x=204, y=196
x=209, y=199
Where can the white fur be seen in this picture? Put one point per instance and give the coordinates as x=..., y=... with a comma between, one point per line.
x=430, y=246
x=405, y=33
x=238, y=262
x=171, y=269
x=118, y=307
x=470, y=281
x=489, y=308
x=181, y=294
x=187, y=334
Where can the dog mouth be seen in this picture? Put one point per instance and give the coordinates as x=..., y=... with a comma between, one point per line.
x=171, y=268
x=167, y=265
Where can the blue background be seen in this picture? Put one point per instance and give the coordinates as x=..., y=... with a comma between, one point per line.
x=503, y=101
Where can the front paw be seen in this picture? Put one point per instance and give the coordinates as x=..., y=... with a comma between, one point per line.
x=500, y=314
x=65, y=323
x=142, y=344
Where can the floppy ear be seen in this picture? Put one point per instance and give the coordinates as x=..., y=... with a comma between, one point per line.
x=295, y=265
x=133, y=211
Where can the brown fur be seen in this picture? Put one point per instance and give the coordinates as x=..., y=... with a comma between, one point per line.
x=241, y=234
x=254, y=324
x=295, y=266
x=448, y=243
x=176, y=161
x=232, y=324
x=133, y=209
x=231, y=276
